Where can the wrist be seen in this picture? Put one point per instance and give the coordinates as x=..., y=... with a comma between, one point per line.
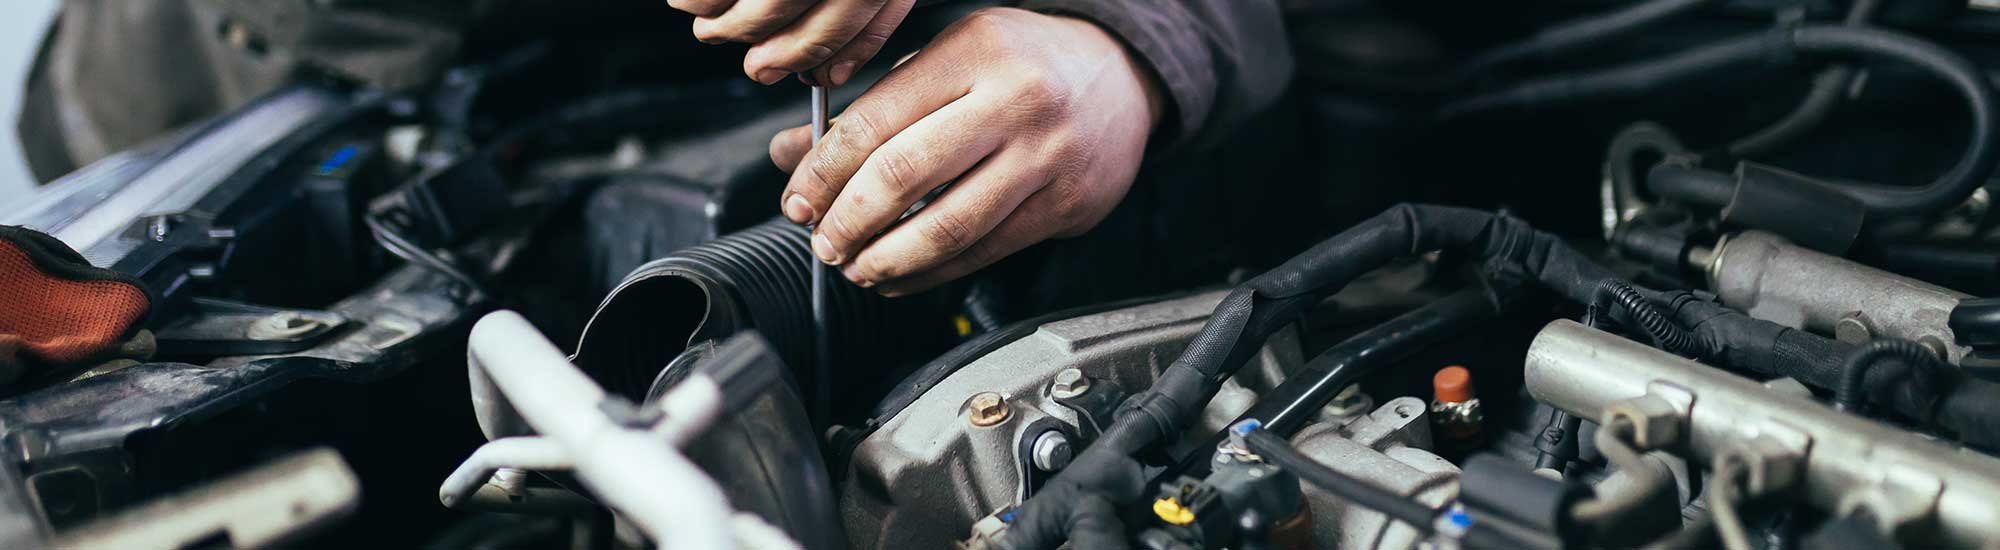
x=1129, y=64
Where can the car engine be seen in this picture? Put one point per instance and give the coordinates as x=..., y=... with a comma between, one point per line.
x=1574, y=274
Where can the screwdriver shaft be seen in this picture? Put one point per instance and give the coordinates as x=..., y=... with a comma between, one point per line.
x=822, y=334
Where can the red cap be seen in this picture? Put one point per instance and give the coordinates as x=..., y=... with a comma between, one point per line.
x=1452, y=384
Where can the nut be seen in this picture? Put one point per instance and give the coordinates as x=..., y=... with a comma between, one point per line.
x=987, y=409
x=1069, y=383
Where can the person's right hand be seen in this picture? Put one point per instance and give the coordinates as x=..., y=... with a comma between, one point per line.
x=1038, y=122
x=822, y=40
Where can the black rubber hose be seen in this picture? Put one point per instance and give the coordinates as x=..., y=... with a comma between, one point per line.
x=754, y=278
x=1849, y=395
x=1691, y=186
x=1361, y=492
x=1947, y=191
x=1570, y=36
x=1096, y=525
x=1712, y=190
x=1511, y=252
x=1635, y=78
x=1965, y=177
x=1825, y=94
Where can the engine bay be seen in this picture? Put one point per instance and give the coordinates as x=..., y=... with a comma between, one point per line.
x=1661, y=274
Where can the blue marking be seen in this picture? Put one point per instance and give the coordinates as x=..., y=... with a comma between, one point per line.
x=338, y=160
x=1460, y=519
x=1246, y=426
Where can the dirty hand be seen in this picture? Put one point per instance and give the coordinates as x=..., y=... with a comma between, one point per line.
x=830, y=38
x=1037, y=122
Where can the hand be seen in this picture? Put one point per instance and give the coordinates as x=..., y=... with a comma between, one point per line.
x=829, y=38
x=1038, y=122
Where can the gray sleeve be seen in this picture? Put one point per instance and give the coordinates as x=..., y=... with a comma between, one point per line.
x=1218, y=61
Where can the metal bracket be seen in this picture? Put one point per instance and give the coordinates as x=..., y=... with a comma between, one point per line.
x=1658, y=418
x=1773, y=454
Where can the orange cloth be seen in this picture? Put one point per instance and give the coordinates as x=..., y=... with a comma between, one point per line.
x=57, y=309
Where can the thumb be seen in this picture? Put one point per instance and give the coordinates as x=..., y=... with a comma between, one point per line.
x=790, y=146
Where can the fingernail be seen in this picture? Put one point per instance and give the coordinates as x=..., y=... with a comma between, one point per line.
x=854, y=275
x=823, y=248
x=807, y=78
x=769, y=76
x=798, y=210
x=841, y=71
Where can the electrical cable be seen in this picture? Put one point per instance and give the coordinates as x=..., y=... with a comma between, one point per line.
x=1294, y=403
x=1510, y=253
x=1360, y=492
x=402, y=247
x=1666, y=335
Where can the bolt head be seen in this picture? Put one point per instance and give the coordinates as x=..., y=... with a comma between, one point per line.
x=987, y=409
x=1052, y=451
x=1069, y=383
x=1853, y=329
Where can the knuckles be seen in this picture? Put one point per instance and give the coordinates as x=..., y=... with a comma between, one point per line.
x=948, y=233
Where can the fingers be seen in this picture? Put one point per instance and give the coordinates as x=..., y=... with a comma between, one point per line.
x=1031, y=223
x=789, y=147
x=929, y=153
x=823, y=29
x=835, y=71
x=702, y=8
x=749, y=21
x=899, y=100
x=962, y=215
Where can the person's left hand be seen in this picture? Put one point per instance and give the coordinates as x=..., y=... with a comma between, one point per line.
x=823, y=40
x=1037, y=122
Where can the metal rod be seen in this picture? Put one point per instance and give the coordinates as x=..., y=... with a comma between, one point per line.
x=822, y=345
x=625, y=466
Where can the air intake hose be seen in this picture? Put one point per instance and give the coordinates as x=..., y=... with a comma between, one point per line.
x=759, y=278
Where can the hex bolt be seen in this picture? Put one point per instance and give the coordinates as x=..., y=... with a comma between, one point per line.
x=1052, y=451
x=1069, y=384
x=988, y=409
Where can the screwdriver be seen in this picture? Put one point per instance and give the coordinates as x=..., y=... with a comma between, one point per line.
x=822, y=346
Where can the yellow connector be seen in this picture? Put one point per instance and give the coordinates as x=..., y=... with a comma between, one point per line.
x=1171, y=511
